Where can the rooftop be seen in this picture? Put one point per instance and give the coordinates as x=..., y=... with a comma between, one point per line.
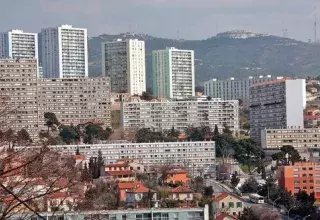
x=182, y=189
x=119, y=172
x=272, y=81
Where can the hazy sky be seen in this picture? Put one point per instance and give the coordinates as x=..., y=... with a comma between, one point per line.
x=192, y=19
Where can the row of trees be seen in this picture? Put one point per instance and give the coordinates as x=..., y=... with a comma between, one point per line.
x=70, y=134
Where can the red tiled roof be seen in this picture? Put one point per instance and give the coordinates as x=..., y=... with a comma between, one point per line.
x=79, y=157
x=182, y=189
x=222, y=196
x=119, y=172
x=222, y=215
x=311, y=117
x=136, y=187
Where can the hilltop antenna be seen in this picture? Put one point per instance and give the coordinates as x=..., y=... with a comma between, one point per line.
x=315, y=24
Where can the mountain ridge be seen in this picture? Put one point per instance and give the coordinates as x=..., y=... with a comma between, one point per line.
x=233, y=53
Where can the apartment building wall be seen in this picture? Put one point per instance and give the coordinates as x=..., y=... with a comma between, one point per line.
x=276, y=104
x=301, y=176
x=19, y=103
x=173, y=73
x=124, y=62
x=64, y=52
x=296, y=137
x=233, y=88
x=191, y=155
x=163, y=115
x=74, y=101
x=18, y=44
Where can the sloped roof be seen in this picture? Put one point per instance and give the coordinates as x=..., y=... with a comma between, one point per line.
x=223, y=215
x=119, y=172
x=182, y=189
x=176, y=171
x=135, y=187
x=222, y=196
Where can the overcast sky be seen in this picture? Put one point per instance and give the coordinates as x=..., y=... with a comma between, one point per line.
x=192, y=19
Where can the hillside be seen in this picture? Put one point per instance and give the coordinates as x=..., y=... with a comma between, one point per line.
x=234, y=53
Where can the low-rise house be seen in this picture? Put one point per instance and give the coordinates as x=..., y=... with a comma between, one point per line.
x=125, y=164
x=121, y=175
x=62, y=201
x=177, y=176
x=227, y=203
x=181, y=193
x=225, y=216
x=80, y=160
x=134, y=191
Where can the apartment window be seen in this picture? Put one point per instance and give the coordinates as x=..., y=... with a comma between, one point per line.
x=239, y=204
x=231, y=204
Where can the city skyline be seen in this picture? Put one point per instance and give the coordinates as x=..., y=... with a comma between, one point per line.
x=171, y=19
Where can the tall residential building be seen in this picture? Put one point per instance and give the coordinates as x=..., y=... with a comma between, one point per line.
x=300, y=176
x=276, y=104
x=163, y=115
x=64, y=52
x=196, y=157
x=124, y=62
x=18, y=44
x=233, y=88
x=73, y=100
x=173, y=73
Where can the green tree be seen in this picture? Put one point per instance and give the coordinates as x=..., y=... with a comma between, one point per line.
x=247, y=152
x=208, y=191
x=304, y=204
x=100, y=163
x=293, y=154
x=248, y=214
x=251, y=185
x=93, y=132
x=234, y=180
x=85, y=174
x=23, y=136
x=195, y=134
x=51, y=121
x=147, y=95
x=226, y=129
x=225, y=145
x=69, y=134
x=216, y=131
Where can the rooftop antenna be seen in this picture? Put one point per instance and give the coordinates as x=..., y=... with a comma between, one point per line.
x=315, y=24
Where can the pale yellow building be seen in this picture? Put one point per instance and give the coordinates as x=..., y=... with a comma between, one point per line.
x=227, y=203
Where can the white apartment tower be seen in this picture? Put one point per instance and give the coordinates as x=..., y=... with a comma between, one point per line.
x=18, y=44
x=64, y=52
x=277, y=104
x=173, y=73
x=124, y=62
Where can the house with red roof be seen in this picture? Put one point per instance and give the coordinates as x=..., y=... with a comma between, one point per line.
x=126, y=164
x=227, y=203
x=181, y=193
x=225, y=216
x=62, y=201
x=134, y=191
x=121, y=175
x=177, y=176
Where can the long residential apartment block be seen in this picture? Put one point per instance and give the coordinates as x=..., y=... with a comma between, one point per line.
x=276, y=104
x=192, y=155
x=234, y=88
x=163, y=114
x=296, y=137
x=73, y=100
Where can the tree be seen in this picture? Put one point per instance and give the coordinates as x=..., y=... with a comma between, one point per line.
x=225, y=145
x=226, y=129
x=23, y=137
x=247, y=152
x=209, y=98
x=235, y=180
x=248, y=214
x=94, y=132
x=51, y=121
x=77, y=151
x=266, y=214
x=69, y=134
x=216, y=131
x=195, y=134
x=293, y=154
x=100, y=163
x=85, y=174
x=147, y=95
x=251, y=185
x=208, y=191
x=304, y=204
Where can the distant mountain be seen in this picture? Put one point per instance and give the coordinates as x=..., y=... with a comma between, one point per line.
x=233, y=53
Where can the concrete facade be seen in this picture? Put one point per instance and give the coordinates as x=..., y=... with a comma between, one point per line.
x=173, y=73
x=298, y=138
x=276, y=104
x=64, y=52
x=162, y=115
x=234, y=88
x=77, y=100
x=124, y=62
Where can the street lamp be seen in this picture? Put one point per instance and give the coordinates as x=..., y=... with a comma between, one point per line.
x=274, y=203
x=290, y=210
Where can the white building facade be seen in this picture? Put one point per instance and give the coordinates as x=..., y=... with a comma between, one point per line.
x=64, y=52
x=17, y=44
x=192, y=155
x=173, y=73
x=277, y=104
x=162, y=115
x=124, y=62
x=299, y=138
x=233, y=88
